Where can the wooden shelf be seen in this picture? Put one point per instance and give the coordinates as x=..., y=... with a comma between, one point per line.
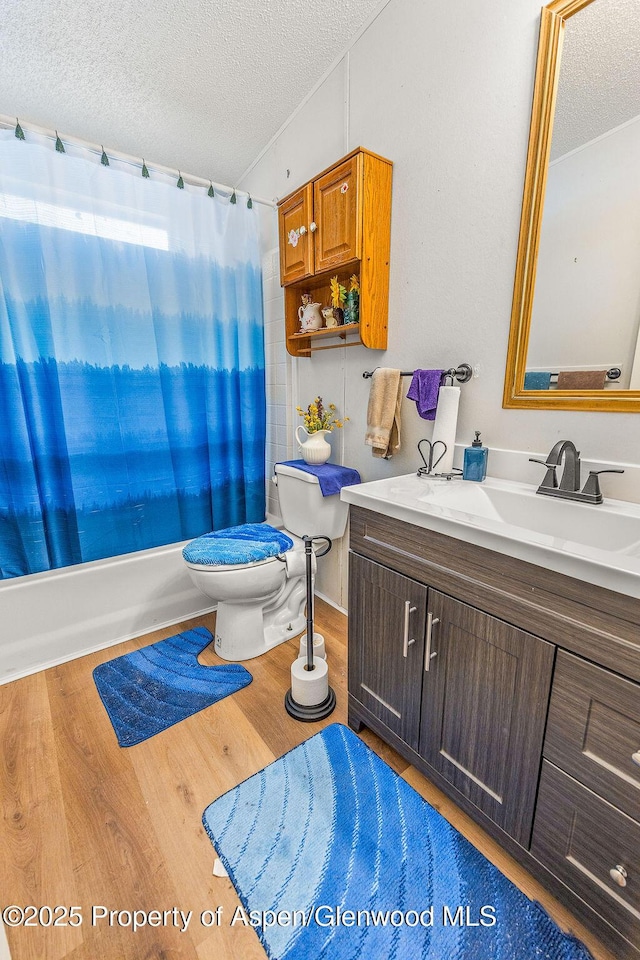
x=297, y=340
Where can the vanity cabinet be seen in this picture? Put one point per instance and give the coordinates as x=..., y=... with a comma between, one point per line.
x=516, y=691
x=468, y=692
x=338, y=224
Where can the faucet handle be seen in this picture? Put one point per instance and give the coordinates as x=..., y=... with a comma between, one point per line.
x=591, y=488
x=550, y=479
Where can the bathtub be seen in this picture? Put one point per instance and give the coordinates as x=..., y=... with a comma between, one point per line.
x=51, y=617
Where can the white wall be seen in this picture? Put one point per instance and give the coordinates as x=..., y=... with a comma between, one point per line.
x=586, y=307
x=443, y=90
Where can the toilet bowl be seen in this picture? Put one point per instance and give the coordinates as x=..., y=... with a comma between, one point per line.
x=261, y=603
x=259, y=606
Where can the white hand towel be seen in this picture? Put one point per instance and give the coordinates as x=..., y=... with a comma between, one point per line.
x=383, y=413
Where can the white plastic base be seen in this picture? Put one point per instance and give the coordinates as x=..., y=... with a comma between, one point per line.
x=318, y=646
x=248, y=629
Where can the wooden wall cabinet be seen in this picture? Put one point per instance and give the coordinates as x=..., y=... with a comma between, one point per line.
x=461, y=658
x=338, y=224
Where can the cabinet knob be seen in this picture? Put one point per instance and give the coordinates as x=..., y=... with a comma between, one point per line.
x=619, y=875
x=303, y=230
x=636, y=757
x=313, y=226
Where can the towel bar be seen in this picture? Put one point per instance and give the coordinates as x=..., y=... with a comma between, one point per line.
x=462, y=374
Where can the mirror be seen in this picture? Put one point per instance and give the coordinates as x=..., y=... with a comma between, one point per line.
x=576, y=303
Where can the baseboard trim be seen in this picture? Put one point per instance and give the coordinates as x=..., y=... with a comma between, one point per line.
x=332, y=603
x=5, y=953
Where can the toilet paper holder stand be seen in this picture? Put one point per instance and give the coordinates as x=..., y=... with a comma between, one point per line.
x=314, y=711
x=431, y=461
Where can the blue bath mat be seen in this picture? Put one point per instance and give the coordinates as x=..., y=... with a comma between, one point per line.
x=335, y=857
x=146, y=691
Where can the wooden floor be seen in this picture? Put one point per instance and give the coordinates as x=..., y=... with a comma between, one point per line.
x=88, y=824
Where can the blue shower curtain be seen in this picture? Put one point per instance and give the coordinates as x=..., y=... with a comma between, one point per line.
x=132, y=400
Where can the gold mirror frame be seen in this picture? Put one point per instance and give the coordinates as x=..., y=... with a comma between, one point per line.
x=552, y=24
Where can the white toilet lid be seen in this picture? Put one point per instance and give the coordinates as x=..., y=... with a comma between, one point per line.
x=221, y=567
x=244, y=544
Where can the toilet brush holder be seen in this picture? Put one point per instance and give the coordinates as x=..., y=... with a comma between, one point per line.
x=310, y=697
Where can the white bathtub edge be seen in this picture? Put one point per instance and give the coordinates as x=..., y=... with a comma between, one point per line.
x=94, y=649
x=52, y=618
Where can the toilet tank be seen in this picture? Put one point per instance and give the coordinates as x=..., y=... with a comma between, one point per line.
x=304, y=510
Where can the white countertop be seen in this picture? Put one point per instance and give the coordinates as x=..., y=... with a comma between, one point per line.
x=596, y=543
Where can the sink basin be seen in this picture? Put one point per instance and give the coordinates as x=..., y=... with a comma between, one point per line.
x=596, y=543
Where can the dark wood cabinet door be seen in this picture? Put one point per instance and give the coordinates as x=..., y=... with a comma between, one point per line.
x=592, y=847
x=484, y=707
x=386, y=644
x=296, y=239
x=593, y=731
x=336, y=211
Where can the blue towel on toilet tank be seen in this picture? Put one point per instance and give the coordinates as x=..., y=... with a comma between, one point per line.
x=242, y=544
x=331, y=476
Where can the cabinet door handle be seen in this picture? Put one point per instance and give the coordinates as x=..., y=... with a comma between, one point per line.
x=619, y=875
x=428, y=656
x=313, y=226
x=303, y=230
x=636, y=757
x=406, y=643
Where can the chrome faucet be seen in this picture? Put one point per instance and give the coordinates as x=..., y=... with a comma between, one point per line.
x=569, y=486
x=570, y=480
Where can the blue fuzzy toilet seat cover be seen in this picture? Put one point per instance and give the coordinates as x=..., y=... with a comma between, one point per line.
x=245, y=543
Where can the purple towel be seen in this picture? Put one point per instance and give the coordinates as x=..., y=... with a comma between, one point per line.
x=331, y=476
x=424, y=390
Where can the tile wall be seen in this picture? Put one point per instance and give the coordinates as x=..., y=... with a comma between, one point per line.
x=279, y=402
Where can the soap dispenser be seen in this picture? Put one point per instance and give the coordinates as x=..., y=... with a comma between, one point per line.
x=475, y=460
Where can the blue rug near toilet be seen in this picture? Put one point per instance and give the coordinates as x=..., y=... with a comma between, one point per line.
x=335, y=857
x=153, y=688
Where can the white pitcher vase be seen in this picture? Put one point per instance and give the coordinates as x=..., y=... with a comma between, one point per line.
x=313, y=447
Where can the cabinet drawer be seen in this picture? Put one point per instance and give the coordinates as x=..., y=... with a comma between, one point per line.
x=593, y=731
x=581, y=838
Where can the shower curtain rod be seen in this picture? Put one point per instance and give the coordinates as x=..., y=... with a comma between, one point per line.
x=8, y=123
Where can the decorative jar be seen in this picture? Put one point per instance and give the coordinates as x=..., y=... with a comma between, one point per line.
x=313, y=446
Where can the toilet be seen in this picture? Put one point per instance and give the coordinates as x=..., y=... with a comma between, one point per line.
x=261, y=600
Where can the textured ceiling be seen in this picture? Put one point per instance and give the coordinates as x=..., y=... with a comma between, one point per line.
x=599, y=75
x=196, y=84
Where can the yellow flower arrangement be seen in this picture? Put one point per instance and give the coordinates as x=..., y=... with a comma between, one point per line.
x=318, y=417
x=338, y=293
